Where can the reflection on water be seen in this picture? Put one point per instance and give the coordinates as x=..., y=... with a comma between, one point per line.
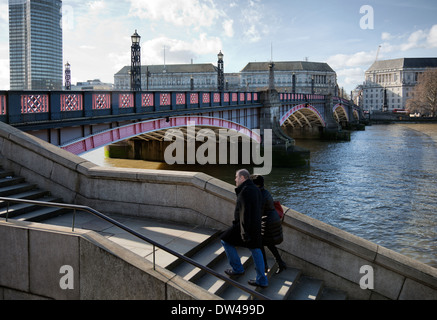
x=379, y=186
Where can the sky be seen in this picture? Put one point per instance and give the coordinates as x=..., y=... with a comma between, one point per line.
x=346, y=34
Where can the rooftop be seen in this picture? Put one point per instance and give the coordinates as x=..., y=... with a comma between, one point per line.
x=404, y=63
x=288, y=66
x=173, y=68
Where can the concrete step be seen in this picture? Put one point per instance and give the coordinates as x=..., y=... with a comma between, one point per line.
x=19, y=209
x=10, y=180
x=218, y=286
x=333, y=294
x=42, y=214
x=234, y=293
x=211, y=283
x=281, y=285
x=306, y=288
x=28, y=195
x=206, y=256
x=5, y=173
x=9, y=191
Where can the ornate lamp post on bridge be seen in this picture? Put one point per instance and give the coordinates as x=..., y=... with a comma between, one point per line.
x=135, y=72
x=220, y=73
x=67, y=76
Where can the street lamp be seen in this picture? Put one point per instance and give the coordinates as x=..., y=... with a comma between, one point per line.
x=136, y=38
x=220, y=73
x=135, y=74
x=67, y=77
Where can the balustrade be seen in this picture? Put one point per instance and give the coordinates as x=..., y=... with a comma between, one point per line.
x=18, y=107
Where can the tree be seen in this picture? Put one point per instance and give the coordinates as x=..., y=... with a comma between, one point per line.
x=424, y=100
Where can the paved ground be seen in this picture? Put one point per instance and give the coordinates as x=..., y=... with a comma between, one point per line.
x=178, y=237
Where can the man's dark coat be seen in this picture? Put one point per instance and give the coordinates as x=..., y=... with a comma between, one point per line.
x=246, y=227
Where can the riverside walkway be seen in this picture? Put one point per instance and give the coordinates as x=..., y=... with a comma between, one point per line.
x=178, y=237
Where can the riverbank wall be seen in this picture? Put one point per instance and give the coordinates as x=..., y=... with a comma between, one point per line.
x=380, y=117
x=323, y=251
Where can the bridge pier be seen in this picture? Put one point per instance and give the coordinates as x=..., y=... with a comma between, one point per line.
x=333, y=130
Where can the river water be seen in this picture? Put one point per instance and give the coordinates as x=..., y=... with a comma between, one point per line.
x=381, y=186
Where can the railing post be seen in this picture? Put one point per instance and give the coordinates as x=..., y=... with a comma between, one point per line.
x=74, y=217
x=154, y=257
x=7, y=211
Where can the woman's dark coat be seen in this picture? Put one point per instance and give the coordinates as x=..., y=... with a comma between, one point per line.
x=246, y=227
x=271, y=224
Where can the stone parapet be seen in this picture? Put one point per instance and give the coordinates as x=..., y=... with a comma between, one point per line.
x=34, y=257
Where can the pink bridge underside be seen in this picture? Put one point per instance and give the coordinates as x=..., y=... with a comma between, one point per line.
x=118, y=134
x=299, y=107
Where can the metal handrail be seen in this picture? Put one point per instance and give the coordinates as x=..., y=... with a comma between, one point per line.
x=100, y=215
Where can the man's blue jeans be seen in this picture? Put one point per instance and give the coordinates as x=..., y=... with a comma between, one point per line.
x=237, y=267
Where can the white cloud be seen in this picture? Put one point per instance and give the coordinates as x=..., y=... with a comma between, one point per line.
x=4, y=12
x=97, y=5
x=339, y=61
x=178, y=51
x=254, y=27
x=228, y=26
x=351, y=76
x=432, y=37
x=4, y=74
x=95, y=43
x=417, y=39
x=414, y=41
x=196, y=13
x=386, y=36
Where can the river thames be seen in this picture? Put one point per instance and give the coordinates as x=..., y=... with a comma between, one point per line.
x=381, y=186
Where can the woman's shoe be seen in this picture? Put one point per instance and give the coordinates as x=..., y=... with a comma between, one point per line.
x=281, y=268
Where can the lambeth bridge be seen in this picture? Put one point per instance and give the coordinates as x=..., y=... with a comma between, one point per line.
x=80, y=121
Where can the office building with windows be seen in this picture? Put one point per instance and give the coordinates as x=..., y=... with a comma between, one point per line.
x=35, y=44
x=171, y=77
x=298, y=77
x=291, y=76
x=393, y=81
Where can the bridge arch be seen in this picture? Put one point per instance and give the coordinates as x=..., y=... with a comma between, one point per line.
x=303, y=115
x=340, y=113
x=154, y=130
x=356, y=114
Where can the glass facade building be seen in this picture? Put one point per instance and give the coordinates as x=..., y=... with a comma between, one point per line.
x=35, y=44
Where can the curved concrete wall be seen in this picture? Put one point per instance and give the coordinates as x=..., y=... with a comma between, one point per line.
x=321, y=250
x=34, y=256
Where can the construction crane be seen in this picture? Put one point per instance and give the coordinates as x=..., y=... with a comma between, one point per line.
x=377, y=53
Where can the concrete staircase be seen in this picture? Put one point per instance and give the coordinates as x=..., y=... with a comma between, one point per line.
x=291, y=284
x=15, y=187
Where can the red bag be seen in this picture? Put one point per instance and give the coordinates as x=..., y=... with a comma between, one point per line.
x=279, y=209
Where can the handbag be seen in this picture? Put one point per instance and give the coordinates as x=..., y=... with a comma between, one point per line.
x=279, y=209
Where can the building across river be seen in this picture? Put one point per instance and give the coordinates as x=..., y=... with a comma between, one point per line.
x=290, y=76
x=394, y=81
